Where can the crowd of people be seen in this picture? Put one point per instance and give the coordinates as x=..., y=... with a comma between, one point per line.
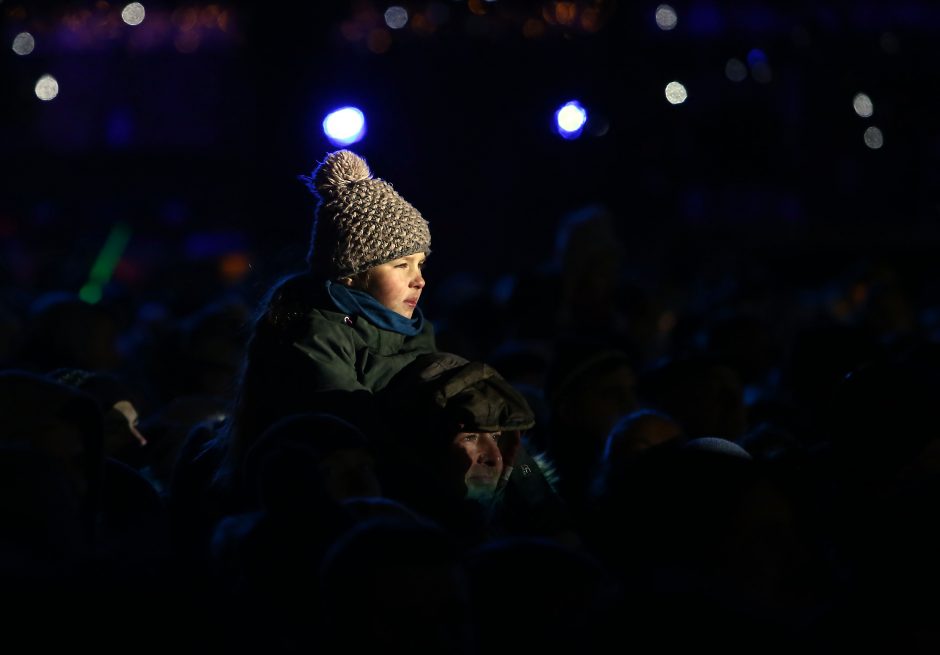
x=567, y=462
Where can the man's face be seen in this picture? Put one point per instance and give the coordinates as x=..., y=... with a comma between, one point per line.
x=483, y=460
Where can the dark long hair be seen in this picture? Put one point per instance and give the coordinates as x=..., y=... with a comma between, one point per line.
x=266, y=390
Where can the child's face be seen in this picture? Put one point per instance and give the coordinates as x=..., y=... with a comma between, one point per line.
x=396, y=284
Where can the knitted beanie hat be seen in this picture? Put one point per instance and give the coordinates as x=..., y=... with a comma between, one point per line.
x=361, y=221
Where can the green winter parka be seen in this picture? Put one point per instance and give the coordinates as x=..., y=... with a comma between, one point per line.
x=352, y=354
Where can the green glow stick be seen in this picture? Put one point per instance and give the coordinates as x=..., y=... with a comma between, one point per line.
x=106, y=262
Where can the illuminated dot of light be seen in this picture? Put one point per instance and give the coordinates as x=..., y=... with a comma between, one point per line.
x=735, y=70
x=565, y=12
x=590, y=19
x=133, y=14
x=47, y=88
x=755, y=56
x=863, y=105
x=889, y=43
x=396, y=17
x=209, y=17
x=476, y=7
x=570, y=118
x=762, y=72
x=602, y=128
x=344, y=126
x=234, y=266
x=23, y=43
x=874, y=139
x=533, y=28
x=676, y=93
x=666, y=17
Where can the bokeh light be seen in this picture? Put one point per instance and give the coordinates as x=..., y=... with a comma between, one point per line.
x=379, y=40
x=133, y=14
x=599, y=126
x=762, y=72
x=344, y=126
x=47, y=88
x=533, y=28
x=890, y=43
x=760, y=66
x=666, y=17
x=234, y=267
x=396, y=17
x=676, y=93
x=23, y=43
x=863, y=105
x=570, y=119
x=756, y=56
x=735, y=70
x=565, y=12
x=874, y=139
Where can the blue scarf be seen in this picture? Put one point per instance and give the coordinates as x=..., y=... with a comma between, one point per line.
x=359, y=303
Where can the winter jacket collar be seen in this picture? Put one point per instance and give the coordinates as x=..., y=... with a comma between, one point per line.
x=360, y=303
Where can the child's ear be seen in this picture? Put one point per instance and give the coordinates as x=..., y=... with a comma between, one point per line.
x=347, y=281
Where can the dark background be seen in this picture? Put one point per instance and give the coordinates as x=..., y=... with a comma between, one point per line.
x=195, y=142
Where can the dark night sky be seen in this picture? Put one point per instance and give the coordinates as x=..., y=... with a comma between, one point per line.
x=179, y=144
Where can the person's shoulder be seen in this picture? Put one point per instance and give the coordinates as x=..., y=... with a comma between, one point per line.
x=427, y=330
x=330, y=328
x=547, y=469
x=329, y=314
x=425, y=339
x=323, y=312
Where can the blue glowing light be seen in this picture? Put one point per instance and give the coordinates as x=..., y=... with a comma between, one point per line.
x=344, y=126
x=755, y=57
x=570, y=119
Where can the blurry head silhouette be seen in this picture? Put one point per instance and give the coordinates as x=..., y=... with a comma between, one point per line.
x=64, y=331
x=703, y=395
x=395, y=586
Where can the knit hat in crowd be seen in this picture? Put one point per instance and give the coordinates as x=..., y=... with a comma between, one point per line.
x=361, y=221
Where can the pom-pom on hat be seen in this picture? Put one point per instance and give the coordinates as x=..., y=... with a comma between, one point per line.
x=361, y=221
